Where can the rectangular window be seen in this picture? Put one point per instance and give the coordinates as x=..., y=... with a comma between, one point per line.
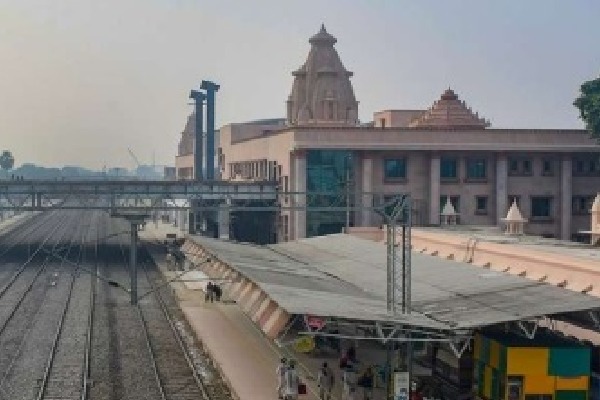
x=286, y=228
x=526, y=167
x=541, y=207
x=581, y=205
x=547, y=168
x=586, y=165
x=477, y=169
x=395, y=169
x=519, y=166
x=448, y=168
x=481, y=205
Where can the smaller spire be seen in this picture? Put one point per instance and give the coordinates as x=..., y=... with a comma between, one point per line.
x=448, y=208
x=514, y=214
x=323, y=37
x=514, y=220
x=596, y=204
x=449, y=214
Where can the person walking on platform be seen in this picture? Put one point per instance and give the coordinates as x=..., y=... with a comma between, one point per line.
x=218, y=292
x=280, y=372
x=210, y=292
x=349, y=380
x=325, y=382
x=366, y=381
x=292, y=381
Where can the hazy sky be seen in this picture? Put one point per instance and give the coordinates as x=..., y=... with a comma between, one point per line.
x=83, y=80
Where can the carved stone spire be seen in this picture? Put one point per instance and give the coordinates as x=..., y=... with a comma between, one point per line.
x=322, y=92
x=450, y=112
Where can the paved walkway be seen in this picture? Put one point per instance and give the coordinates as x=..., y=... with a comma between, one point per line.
x=246, y=357
x=9, y=222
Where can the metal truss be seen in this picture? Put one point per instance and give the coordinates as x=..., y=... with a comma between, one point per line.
x=142, y=195
x=595, y=318
x=384, y=332
x=529, y=328
x=182, y=195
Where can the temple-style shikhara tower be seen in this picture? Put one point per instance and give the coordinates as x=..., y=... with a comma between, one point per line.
x=449, y=112
x=322, y=92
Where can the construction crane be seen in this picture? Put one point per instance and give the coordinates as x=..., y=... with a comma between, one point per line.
x=144, y=169
x=134, y=157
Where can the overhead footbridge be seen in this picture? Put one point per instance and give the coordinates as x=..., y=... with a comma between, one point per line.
x=340, y=280
x=132, y=195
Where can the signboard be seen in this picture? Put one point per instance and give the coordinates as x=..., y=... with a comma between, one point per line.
x=315, y=323
x=401, y=385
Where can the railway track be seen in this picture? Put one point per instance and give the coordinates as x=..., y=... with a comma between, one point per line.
x=15, y=241
x=66, y=334
x=121, y=367
x=178, y=340
x=32, y=300
x=64, y=376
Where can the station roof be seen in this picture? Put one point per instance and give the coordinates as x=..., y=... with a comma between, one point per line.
x=344, y=276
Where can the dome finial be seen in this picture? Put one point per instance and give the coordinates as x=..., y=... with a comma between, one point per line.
x=323, y=37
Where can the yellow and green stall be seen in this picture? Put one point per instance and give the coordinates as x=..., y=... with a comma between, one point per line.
x=510, y=367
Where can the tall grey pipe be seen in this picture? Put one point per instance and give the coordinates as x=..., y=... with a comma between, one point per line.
x=211, y=88
x=198, y=98
x=133, y=263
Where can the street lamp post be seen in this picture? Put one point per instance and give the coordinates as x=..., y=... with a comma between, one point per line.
x=347, y=187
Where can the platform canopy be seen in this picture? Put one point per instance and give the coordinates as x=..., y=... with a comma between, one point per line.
x=344, y=276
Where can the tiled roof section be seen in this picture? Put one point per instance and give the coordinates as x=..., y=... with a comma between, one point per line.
x=450, y=112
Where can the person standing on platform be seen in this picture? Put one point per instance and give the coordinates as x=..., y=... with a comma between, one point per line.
x=366, y=381
x=210, y=292
x=218, y=292
x=292, y=381
x=325, y=382
x=349, y=380
x=280, y=372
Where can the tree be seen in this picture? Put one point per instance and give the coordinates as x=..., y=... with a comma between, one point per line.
x=7, y=161
x=588, y=104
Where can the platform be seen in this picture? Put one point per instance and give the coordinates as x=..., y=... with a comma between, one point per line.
x=244, y=355
x=10, y=222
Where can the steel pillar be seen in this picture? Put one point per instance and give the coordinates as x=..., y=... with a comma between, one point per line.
x=133, y=262
x=198, y=98
x=211, y=88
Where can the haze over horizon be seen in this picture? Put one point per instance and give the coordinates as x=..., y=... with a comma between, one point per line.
x=81, y=80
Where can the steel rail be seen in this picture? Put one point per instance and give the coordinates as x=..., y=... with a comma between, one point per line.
x=87, y=366
x=31, y=283
x=17, y=306
x=26, y=228
x=154, y=365
x=60, y=325
x=197, y=377
x=16, y=275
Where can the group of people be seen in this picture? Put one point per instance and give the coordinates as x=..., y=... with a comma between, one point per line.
x=288, y=380
x=213, y=292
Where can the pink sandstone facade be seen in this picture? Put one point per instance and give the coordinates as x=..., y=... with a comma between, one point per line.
x=446, y=150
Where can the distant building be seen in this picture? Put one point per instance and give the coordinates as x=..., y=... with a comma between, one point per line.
x=445, y=152
x=184, y=161
x=170, y=173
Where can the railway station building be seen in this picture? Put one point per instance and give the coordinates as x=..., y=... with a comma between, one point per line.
x=447, y=152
